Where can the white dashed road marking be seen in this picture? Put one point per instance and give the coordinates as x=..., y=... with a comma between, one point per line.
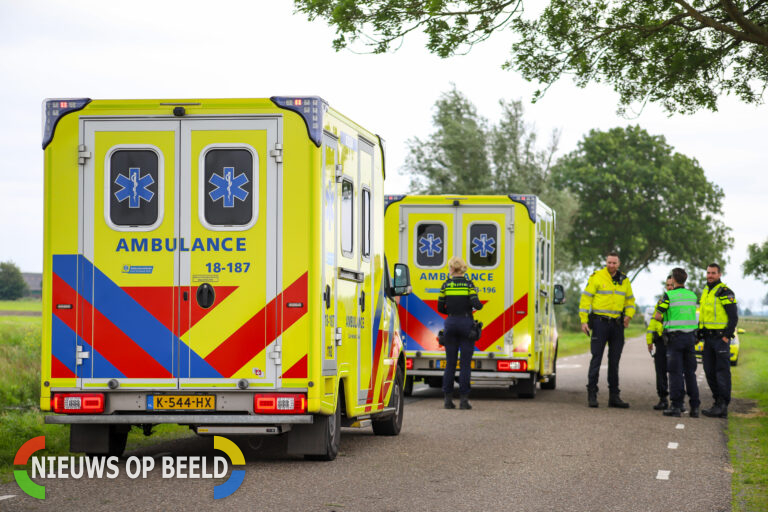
x=662, y=475
x=9, y=496
x=672, y=446
x=567, y=366
x=680, y=426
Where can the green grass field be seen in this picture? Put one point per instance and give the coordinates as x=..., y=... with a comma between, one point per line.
x=21, y=305
x=748, y=424
x=572, y=342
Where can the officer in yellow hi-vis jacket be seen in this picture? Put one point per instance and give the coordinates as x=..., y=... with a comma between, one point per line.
x=718, y=317
x=658, y=350
x=606, y=307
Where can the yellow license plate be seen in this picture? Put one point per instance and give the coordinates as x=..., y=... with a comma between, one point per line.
x=442, y=363
x=182, y=402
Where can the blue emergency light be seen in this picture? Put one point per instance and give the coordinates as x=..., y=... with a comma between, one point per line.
x=56, y=108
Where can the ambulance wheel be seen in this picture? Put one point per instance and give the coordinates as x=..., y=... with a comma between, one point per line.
x=527, y=388
x=408, y=389
x=97, y=440
x=391, y=425
x=330, y=430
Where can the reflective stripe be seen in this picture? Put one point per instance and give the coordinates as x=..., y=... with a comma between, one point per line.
x=583, y=311
x=458, y=291
x=630, y=307
x=680, y=330
x=606, y=311
x=602, y=292
x=620, y=293
x=684, y=303
x=585, y=292
x=631, y=297
x=707, y=324
x=678, y=322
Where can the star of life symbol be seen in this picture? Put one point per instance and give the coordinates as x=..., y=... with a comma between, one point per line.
x=228, y=186
x=430, y=245
x=483, y=245
x=134, y=187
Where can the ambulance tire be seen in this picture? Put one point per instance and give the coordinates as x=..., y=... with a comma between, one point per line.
x=98, y=440
x=408, y=389
x=527, y=388
x=391, y=425
x=331, y=431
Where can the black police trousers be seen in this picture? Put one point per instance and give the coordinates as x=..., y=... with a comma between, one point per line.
x=716, y=359
x=681, y=363
x=609, y=331
x=456, y=330
x=660, y=364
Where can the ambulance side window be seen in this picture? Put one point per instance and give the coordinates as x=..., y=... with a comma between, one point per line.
x=365, y=211
x=228, y=186
x=430, y=245
x=483, y=245
x=134, y=186
x=347, y=216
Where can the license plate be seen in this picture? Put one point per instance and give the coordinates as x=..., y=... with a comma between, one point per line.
x=181, y=402
x=442, y=364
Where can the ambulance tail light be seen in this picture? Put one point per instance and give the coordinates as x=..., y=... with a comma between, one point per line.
x=55, y=109
x=507, y=365
x=78, y=403
x=409, y=364
x=279, y=403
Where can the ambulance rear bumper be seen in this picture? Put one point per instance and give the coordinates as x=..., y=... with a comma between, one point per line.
x=476, y=375
x=181, y=419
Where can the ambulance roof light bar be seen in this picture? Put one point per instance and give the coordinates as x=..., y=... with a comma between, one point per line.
x=527, y=200
x=310, y=108
x=56, y=108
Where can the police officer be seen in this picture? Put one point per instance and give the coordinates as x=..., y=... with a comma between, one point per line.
x=718, y=317
x=677, y=310
x=658, y=350
x=458, y=297
x=606, y=306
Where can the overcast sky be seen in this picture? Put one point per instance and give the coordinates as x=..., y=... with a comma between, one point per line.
x=195, y=49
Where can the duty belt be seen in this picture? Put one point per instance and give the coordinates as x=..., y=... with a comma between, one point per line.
x=606, y=318
x=462, y=315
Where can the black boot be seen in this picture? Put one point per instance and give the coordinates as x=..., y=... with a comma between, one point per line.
x=663, y=404
x=592, y=398
x=464, y=404
x=719, y=410
x=614, y=400
x=694, y=412
x=673, y=411
x=449, y=401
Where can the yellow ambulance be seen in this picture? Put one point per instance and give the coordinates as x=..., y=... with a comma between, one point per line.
x=217, y=263
x=508, y=244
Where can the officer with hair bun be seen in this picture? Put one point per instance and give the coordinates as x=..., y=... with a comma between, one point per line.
x=458, y=298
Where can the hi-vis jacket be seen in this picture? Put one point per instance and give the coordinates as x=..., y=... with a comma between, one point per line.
x=458, y=296
x=713, y=314
x=607, y=296
x=654, y=330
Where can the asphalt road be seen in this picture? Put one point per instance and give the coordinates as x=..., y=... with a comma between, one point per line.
x=551, y=453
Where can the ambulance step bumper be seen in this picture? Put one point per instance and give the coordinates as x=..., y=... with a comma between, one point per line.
x=181, y=419
x=476, y=376
x=210, y=430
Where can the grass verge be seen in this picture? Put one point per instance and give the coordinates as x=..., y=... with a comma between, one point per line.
x=572, y=343
x=21, y=305
x=748, y=425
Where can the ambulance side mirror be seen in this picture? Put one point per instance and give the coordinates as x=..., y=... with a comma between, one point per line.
x=559, y=297
x=401, y=284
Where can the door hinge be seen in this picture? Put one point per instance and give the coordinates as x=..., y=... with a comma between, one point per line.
x=339, y=172
x=275, y=354
x=402, y=226
x=338, y=336
x=277, y=153
x=82, y=154
x=511, y=228
x=80, y=355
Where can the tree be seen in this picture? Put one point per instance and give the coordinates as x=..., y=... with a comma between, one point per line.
x=12, y=285
x=638, y=197
x=681, y=53
x=756, y=264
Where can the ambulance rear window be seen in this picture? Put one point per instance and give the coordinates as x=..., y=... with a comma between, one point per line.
x=133, y=187
x=483, y=249
x=430, y=245
x=228, y=187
